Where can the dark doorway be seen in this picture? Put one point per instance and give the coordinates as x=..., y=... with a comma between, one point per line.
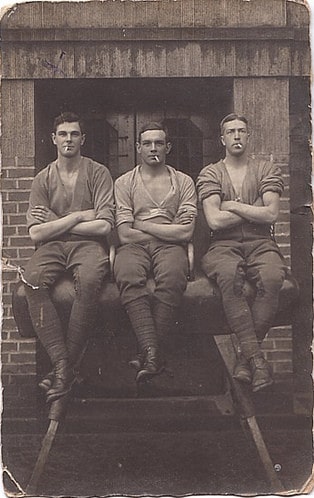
x=114, y=110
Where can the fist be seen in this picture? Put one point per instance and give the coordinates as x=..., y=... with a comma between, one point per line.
x=43, y=214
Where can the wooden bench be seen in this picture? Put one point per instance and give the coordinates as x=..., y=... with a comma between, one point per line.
x=201, y=310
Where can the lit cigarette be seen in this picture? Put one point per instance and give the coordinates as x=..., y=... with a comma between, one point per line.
x=238, y=146
x=156, y=158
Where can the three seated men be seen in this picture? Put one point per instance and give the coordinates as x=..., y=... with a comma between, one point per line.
x=71, y=211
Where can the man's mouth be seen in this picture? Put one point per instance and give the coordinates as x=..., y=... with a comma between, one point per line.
x=238, y=146
x=156, y=158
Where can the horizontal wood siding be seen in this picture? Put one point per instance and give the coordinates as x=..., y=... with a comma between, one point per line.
x=158, y=13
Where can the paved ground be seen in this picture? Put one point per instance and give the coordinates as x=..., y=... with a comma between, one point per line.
x=218, y=461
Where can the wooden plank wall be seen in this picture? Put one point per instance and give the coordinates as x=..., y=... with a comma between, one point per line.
x=118, y=59
x=160, y=13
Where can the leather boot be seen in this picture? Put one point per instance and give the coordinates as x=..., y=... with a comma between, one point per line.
x=153, y=365
x=262, y=374
x=46, y=383
x=242, y=371
x=138, y=362
x=63, y=379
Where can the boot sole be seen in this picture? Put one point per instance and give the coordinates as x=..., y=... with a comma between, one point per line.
x=144, y=375
x=262, y=386
x=244, y=379
x=55, y=396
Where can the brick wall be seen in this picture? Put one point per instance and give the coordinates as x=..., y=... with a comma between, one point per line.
x=17, y=354
x=277, y=346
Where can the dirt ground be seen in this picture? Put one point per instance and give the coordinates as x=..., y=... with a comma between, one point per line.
x=217, y=461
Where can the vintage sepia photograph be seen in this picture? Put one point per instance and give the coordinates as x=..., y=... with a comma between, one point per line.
x=156, y=248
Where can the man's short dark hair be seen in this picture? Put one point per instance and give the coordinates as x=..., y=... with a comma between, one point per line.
x=154, y=125
x=232, y=117
x=68, y=117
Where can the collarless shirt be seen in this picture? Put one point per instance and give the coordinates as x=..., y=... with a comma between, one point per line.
x=134, y=202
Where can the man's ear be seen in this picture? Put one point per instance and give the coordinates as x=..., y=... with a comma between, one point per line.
x=222, y=140
x=83, y=139
x=138, y=147
x=168, y=147
x=53, y=138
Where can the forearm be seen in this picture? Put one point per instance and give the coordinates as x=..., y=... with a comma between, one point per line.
x=95, y=227
x=169, y=232
x=223, y=220
x=51, y=229
x=129, y=235
x=255, y=214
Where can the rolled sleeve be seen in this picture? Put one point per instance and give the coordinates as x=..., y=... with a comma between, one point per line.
x=271, y=179
x=208, y=183
x=188, y=197
x=124, y=204
x=103, y=196
x=38, y=197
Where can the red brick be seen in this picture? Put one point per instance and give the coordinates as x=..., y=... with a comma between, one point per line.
x=9, y=347
x=30, y=345
x=9, y=253
x=8, y=184
x=282, y=367
x=16, y=219
x=13, y=368
x=23, y=358
x=19, y=378
x=14, y=335
x=9, y=230
x=20, y=173
x=279, y=355
x=22, y=230
x=20, y=195
x=10, y=207
x=20, y=241
x=26, y=252
x=283, y=345
x=4, y=358
x=25, y=183
x=9, y=324
x=9, y=275
x=22, y=207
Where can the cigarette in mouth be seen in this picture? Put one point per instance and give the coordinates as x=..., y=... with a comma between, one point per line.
x=156, y=159
x=239, y=146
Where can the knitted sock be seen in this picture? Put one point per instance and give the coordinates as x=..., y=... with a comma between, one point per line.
x=46, y=323
x=140, y=315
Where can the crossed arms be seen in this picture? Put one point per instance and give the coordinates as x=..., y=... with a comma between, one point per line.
x=180, y=230
x=226, y=214
x=78, y=222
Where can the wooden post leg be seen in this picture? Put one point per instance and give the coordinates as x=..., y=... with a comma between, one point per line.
x=273, y=478
x=56, y=413
x=42, y=457
x=227, y=349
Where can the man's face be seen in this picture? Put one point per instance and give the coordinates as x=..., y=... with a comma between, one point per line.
x=235, y=137
x=68, y=139
x=153, y=147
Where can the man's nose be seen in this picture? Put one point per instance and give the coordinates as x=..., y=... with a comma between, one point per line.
x=236, y=134
x=69, y=137
x=153, y=146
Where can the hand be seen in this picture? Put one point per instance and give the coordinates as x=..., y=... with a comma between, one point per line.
x=184, y=218
x=43, y=214
x=88, y=215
